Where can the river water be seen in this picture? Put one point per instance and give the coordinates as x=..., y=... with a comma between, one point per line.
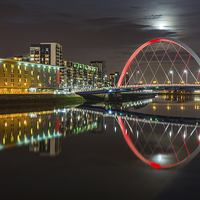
x=145, y=149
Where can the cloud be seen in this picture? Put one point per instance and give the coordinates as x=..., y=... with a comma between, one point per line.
x=152, y=17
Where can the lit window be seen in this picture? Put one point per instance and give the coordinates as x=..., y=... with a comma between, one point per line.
x=48, y=70
x=31, y=72
x=24, y=67
x=38, y=77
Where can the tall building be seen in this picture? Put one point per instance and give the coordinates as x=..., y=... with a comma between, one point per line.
x=76, y=75
x=101, y=72
x=46, y=53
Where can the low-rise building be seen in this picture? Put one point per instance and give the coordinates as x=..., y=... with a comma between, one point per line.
x=23, y=77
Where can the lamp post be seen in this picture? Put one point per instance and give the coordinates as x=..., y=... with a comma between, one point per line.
x=185, y=71
x=125, y=77
x=137, y=77
x=171, y=72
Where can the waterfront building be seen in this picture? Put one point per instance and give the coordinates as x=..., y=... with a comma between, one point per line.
x=114, y=78
x=76, y=75
x=46, y=53
x=23, y=77
x=101, y=72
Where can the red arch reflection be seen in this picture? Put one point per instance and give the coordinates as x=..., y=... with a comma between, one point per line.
x=141, y=157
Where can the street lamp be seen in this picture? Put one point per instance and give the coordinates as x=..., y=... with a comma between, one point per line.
x=171, y=72
x=125, y=77
x=185, y=71
x=137, y=77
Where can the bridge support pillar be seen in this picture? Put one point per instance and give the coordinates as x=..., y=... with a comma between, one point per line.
x=112, y=97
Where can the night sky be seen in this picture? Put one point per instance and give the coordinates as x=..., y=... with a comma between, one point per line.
x=88, y=30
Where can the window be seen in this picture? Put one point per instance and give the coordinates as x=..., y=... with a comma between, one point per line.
x=5, y=79
x=32, y=73
x=19, y=67
x=48, y=70
x=12, y=79
x=19, y=76
x=38, y=77
x=12, y=75
x=19, y=80
x=12, y=84
x=5, y=74
x=43, y=69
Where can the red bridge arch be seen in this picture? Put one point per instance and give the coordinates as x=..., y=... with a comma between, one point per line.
x=174, y=41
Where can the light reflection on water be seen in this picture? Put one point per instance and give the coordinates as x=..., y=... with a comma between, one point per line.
x=162, y=132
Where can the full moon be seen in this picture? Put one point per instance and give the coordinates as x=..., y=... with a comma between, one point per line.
x=161, y=26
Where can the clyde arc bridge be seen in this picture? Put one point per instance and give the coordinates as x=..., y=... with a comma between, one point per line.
x=159, y=64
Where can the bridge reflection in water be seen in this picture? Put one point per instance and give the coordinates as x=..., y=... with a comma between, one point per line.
x=159, y=141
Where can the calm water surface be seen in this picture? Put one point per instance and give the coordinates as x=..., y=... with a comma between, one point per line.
x=146, y=149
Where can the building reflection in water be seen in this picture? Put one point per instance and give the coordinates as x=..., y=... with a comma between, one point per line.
x=43, y=130
x=159, y=141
